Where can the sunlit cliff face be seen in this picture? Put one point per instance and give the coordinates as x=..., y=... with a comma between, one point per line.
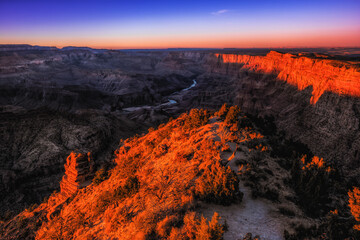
x=302, y=72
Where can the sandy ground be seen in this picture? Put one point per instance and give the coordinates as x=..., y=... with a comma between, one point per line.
x=257, y=216
x=251, y=215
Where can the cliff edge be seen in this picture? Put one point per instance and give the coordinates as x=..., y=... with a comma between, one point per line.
x=323, y=75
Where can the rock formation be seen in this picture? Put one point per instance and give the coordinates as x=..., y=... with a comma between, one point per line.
x=78, y=173
x=322, y=75
x=87, y=92
x=329, y=127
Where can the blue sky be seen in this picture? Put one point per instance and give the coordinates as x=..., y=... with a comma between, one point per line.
x=129, y=24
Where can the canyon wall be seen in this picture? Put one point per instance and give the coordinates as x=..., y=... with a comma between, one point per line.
x=314, y=101
x=302, y=72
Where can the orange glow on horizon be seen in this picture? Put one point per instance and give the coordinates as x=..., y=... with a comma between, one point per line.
x=341, y=38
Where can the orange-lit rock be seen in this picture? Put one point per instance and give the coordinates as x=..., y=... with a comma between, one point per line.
x=78, y=173
x=322, y=75
x=354, y=204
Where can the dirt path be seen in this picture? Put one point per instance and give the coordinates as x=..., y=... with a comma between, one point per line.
x=257, y=216
x=251, y=215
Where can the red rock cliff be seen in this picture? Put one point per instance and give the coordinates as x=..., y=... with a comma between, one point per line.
x=322, y=75
x=78, y=173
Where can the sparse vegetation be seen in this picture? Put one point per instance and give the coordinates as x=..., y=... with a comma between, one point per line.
x=195, y=228
x=354, y=204
x=130, y=187
x=196, y=118
x=152, y=191
x=311, y=182
x=100, y=176
x=222, y=111
x=160, y=177
x=232, y=115
x=218, y=185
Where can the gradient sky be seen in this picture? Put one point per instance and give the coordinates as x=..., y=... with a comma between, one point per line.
x=168, y=24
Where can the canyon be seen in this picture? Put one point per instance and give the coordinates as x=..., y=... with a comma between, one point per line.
x=302, y=72
x=318, y=104
x=56, y=101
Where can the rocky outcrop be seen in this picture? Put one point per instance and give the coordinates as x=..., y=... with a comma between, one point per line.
x=79, y=169
x=88, y=91
x=302, y=72
x=281, y=87
x=35, y=144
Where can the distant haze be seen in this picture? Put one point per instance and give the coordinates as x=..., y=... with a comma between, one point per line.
x=186, y=24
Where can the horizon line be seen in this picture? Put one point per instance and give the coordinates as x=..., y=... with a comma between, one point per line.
x=169, y=48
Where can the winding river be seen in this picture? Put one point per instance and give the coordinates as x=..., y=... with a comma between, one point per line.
x=170, y=101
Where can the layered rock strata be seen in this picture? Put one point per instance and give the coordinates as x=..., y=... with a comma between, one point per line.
x=281, y=85
x=302, y=72
x=78, y=173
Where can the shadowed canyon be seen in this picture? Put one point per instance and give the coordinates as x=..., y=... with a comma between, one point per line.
x=179, y=143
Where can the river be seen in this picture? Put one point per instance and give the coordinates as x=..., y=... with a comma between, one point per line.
x=170, y=101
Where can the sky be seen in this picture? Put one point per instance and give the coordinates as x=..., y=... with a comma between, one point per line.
x=181, y=24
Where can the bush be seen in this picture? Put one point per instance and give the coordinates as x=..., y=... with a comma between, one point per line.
x=336, y=227
x=196, y=118
x=354, y=204
x=311, y=183
x=222, y=111
x=195, y=228
x=130, y=187
x=233, y=115
x=219, y=185
x=100, y=176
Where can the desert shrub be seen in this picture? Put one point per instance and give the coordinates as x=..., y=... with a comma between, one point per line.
x=160, y=150
x=354, y=204
x=336, y=226
x=127, y=165
x=150, y=145
x=196, y=118
x=199, y=229
x=102, y=202
x=163, y=227
x=100, y=176
x=333, y=226
x=130, y=187
x=222, y=111
x=233, y=115
x=311, y=183
x=219, y=185
x=216, y=230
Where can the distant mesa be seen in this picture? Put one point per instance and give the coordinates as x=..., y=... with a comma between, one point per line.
x=323, y=75
x=23, y=47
